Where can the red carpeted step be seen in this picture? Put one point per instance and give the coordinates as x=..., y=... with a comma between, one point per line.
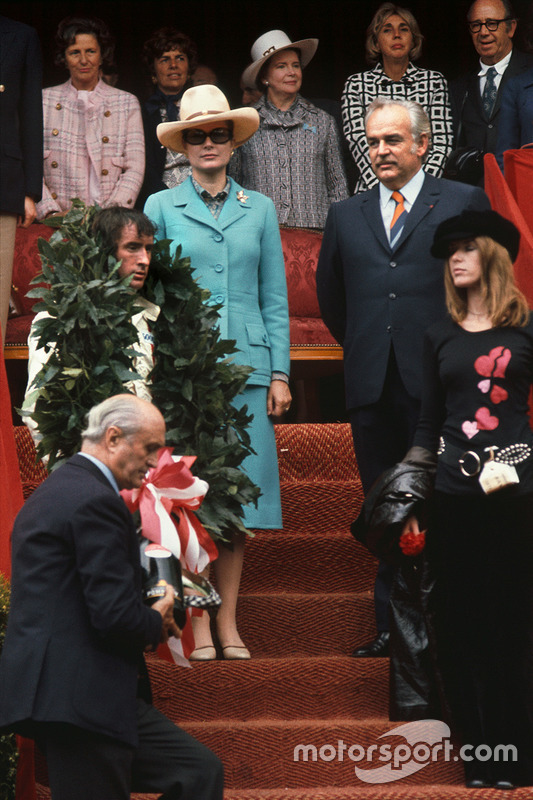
x=382, y=792
x=320, y=506
x=389, y=791
x=333, y=561
x=316, y=452
x=299, y=624
x=296, y=688
x=263, y=753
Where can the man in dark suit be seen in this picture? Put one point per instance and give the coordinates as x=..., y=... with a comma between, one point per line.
x=379, y=288
x=72, y=673
x=516, y=115
x=476, y=96
x=21, y=142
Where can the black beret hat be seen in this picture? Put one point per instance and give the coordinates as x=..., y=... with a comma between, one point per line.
x=470, y=224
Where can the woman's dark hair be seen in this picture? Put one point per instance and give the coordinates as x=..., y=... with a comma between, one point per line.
x=70, y=27
x=168, y=38
x=264, y=67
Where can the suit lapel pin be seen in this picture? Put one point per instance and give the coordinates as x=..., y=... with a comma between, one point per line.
x=241, y=197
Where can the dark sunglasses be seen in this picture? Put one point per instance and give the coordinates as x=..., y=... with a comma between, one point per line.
x=198, y=136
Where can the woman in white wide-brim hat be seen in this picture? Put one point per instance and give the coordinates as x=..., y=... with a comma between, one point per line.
x=231, y=235
x=295, y=156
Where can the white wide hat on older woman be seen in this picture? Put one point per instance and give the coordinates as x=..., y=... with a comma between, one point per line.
x=205, y=104
x=272, y=42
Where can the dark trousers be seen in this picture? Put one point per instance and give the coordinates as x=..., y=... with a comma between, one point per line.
x=482, y=551
x=86, y=766
x=382, y=433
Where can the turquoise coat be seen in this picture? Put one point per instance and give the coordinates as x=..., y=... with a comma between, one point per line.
x=239, y=259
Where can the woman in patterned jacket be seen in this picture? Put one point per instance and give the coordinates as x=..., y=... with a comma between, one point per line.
x=294, y=157
x=93, y=133
x=393, y=41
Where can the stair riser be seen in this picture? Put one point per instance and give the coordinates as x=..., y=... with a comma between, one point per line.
x=396, y=791
x=314, y=452
x=295, y=689
x=319, y=507
x=259, y=756
x=302, y=624
x=333, y=562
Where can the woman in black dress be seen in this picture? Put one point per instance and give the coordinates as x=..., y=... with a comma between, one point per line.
x=474, y=420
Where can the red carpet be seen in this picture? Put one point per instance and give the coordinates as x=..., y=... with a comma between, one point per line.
x=306, y=602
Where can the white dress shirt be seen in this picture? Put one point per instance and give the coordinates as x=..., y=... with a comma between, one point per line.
x=410, y=192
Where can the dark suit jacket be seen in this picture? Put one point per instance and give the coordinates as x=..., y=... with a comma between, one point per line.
x=516, y=115
x=372, y=297
x=21, y=116
x=77, y=626
x=155, y=154
x=477, y=130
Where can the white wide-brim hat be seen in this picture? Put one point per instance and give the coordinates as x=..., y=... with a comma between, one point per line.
x=203, y=104
x=272, y=42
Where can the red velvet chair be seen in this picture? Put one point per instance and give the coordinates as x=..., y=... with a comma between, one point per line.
x=310, y=339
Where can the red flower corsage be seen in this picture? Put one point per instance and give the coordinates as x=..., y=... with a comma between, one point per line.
x=411, y=543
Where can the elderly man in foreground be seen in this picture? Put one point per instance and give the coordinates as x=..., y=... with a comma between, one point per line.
x=72, y=673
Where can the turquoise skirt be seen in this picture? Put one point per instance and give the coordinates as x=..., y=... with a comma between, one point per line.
x=262, y=468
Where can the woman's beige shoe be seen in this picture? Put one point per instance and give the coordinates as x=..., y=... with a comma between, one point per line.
x=234, y=653
x=206, y=653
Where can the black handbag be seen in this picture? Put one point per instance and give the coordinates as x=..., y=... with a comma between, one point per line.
x=464, y=164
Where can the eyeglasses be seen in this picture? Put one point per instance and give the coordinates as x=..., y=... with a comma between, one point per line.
x=198, y=136
x=490, y=24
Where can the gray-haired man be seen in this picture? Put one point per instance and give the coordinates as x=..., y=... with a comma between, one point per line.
x=72, y=673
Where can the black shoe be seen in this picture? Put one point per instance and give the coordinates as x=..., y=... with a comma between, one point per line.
x=478, y=783
x=377, y=648
x=504, y=785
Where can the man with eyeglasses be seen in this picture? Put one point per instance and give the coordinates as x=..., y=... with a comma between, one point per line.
x=476, y=96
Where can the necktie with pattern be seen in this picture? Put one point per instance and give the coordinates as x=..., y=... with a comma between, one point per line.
x=398, y=218
x=489, y=92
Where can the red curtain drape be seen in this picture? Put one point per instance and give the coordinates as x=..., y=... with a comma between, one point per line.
x=10, y=501
x=10, y=486
x=504, y=201
x=518, y=171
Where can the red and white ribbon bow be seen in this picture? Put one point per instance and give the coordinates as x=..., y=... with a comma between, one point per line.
x=171, y=487
x=167, y=499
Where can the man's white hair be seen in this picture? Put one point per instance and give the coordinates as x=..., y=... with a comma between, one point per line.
x=121, y=410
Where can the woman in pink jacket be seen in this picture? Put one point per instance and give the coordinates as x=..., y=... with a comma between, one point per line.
x=93, y=133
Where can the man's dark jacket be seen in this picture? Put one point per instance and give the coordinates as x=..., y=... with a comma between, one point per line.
x=77, y=626
x=21, y=116
x=373, y=297
x=478, y=130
